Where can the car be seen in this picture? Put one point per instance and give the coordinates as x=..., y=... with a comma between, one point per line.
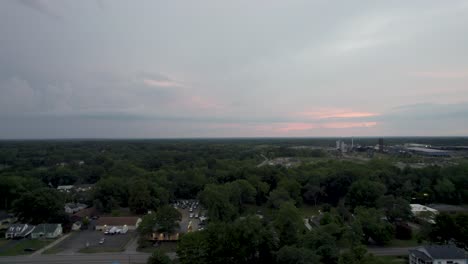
x=191, y=215
x=191, y=209
x=196, y=215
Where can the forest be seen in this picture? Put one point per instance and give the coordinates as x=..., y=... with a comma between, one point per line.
x=360, y=203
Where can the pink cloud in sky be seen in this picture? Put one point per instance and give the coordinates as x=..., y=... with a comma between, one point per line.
x=299, y=126
x=336, y=113
x=161, y=83
x=442, y=74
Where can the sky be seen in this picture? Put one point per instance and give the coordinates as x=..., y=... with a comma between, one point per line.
x=215, y=68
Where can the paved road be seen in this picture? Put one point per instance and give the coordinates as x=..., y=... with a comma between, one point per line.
x=402, y=251
x=107, y=258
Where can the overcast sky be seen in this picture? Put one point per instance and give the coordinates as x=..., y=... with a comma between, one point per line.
x=150, y=69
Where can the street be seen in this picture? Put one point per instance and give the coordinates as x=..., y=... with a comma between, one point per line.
x=104, y=258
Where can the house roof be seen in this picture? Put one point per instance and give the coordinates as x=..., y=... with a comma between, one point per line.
x=86, y=212
x=4, y=215
x=445, y=252
x=117, y=221
x=46, y=228
x=420, y=255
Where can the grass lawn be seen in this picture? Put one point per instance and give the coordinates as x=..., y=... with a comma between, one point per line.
x=394, y=259
x=52, y=250
x=27, y=243
x=3, y=242
x=403, y=243
x=164, y=247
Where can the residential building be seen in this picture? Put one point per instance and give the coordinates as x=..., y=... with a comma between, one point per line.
x=47, y=231
x=424, y=213
x=6, y=220
x=131, y=222
x=437, y=254
x=72, y=208
x=19, y=231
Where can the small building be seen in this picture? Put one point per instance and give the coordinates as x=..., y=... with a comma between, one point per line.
x=131, y=222
x=6, y=220
x=47, y=231
x=437, y=254
x=72, y=208
x=64, y=188
x=424, y=212
x=76, y=226
x=19, y=231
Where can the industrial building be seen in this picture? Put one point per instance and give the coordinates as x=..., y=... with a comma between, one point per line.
x=428, y=152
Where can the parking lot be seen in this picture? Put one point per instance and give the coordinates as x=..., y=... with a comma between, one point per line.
x=88, y=241
x=191, y=212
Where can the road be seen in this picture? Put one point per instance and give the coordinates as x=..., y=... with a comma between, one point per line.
x=378, y=251
x=101, y=258
x=137, y=258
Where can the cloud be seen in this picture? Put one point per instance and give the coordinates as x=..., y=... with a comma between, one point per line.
x=328, y=113
x=456, y=74
x=43, y=6
x=161, y=83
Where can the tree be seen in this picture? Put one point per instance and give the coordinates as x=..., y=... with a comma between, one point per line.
x=193, y=248
x=39, y=206
x=292, y=187
x=312, y=193
x=164, y=220
x=323, y=244
x=140, y=198
x=158, y=257
x=395, y=208
x=288, y=223
x=278, y=196
x=373, y=225
x=365, y=193
x=445, y=189
x=216, y=199
x=244, y=241
x=295, y=255
x=111, y=192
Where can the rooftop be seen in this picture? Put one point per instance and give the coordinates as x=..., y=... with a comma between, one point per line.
x=445, y=252
x=117, y=221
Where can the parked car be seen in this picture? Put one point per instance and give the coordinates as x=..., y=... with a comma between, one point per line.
x=102, y=241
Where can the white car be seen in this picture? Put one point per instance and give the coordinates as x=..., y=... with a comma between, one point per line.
x=191, y=215
x=102, y=241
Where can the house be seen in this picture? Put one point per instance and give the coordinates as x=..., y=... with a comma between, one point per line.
x=47, y=231
x=76, y=226
x=131, y=222
x=64, y=188
x=19, y=231
x=72, y=208
x=6, y=220
x=436, y=254
x=424, y=213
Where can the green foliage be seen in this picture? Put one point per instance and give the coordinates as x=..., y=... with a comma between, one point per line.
x=39, y=206
x=164, y=220
x=365, y=193
x=295, y=255
x=395, y=208
x=288, y=223
x=246, y=240
x=158, y=257
x=279, y=196
x=450, y=228
x=323, y=244
x=373, y=225
x=216, y=199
